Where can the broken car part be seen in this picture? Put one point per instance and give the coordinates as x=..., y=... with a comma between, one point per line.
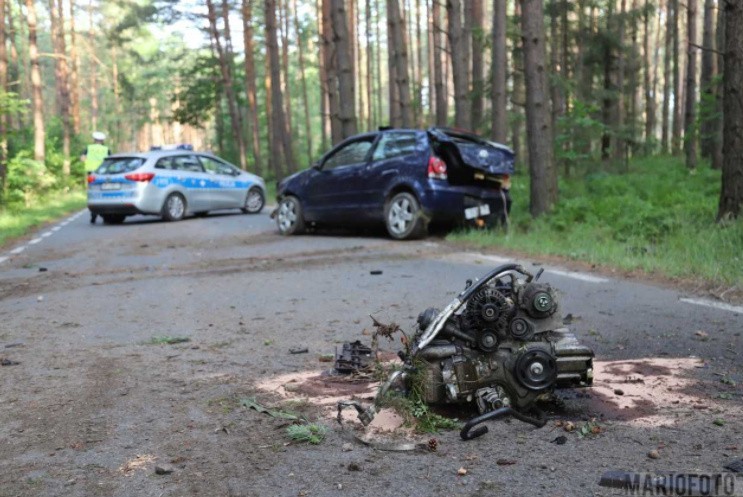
x=500, y=345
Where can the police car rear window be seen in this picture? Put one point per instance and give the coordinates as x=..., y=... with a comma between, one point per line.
x=120, y=165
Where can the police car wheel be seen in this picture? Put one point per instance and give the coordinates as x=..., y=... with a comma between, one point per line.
x=254, y=201
x=174, y=207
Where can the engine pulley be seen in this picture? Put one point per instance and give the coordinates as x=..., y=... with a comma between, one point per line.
x=536, y=370
x=488, y=309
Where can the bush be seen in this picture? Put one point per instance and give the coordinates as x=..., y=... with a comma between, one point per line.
x=27, y=179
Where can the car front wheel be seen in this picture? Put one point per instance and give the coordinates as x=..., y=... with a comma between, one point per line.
x=174, y=208
x=403, y=217
x=254, y=201
x=289, y=216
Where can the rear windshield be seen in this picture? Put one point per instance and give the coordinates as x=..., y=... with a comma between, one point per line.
x=119, y=165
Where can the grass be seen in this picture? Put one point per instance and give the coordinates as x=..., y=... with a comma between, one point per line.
x=312, y=433
x=658, y=218
x=16, y=221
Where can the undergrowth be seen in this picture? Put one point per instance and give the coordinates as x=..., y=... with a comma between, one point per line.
x=657, y=218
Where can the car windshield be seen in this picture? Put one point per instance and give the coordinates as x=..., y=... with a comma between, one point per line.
x=120, y=165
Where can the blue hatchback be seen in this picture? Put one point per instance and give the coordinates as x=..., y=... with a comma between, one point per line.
x=406, y=179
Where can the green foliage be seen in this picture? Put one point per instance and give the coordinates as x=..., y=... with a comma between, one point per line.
x=313, y=433
x=575, y=132
x=27, y=179
x=656, y=218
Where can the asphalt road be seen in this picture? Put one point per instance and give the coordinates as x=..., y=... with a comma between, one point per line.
x=95, y=402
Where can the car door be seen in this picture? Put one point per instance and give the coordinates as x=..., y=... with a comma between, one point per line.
x=185, y=171
x=334, y=185
x=224, y=190
x=395, y=153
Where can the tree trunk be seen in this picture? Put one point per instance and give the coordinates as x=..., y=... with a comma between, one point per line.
x=93, y=71
x=331, y=71
x=690, y=139
x=251, y=89
x=438, y=73
x=38, y=104
x=677, y=115
x=706, y=85
x=731, y=195
x=61, y=77
x=554, y=82
x=370, y=51
x=647, y=88
x=281, y=143
x=303, y=77
x=719, y=112
x=400, y=105
x=74, y=73
x=322, y=72
x=460, y=63
x=543, y=191
x=478, y=52
x=283, y=24
x=3, y=116
x=620, y=143
x=224, y=56
x=666, y=111
x=499, y=73
x=346, y=86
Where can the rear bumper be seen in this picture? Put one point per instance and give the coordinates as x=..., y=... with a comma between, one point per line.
x=447, y=205
x=126, y=209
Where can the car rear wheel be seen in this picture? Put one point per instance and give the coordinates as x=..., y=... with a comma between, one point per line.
x=254, y=201
x=113, y=218
x=174, y=207
x=289, y=217
x=403, y=217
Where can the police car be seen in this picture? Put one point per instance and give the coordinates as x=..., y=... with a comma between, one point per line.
x=171, y=184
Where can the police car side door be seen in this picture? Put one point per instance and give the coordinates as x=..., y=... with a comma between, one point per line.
x=191, y=176
x=224, y=189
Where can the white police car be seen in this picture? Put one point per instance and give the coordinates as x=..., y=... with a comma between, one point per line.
x=171, y=184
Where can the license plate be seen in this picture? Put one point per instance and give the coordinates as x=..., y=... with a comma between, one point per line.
x=477, y=211
x=111, y=186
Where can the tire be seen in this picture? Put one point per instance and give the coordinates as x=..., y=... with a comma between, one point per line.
x=174, y=208
x=254, y=201
x=289, y=217
x=113, y=218
x=404, y=218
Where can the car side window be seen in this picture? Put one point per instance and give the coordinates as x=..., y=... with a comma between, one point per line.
x=353, y=153
x=188, y=163
x=395, y=144
x=215, y=166
x=165, y=163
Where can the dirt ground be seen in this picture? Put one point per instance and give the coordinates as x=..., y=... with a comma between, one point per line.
x=94, y=403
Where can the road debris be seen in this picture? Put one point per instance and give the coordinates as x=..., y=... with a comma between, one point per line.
x=500, y=345
x=352, y=357
x=8, y=362
x=375, y=272
x=251, y=403
x=654, y=454
x=298, y=350
x=164, y=469
x=735, y=466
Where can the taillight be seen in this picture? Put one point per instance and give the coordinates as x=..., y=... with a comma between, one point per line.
x=91, y=178
x=144, y=177
x=436, y=168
